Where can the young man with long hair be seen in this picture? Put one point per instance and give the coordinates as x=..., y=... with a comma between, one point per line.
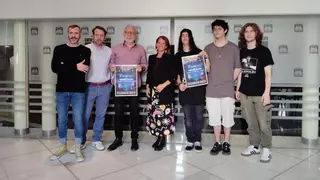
x=253, y=90
x=191, y=99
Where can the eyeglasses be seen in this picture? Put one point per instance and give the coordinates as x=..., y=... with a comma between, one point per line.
x=130, y=33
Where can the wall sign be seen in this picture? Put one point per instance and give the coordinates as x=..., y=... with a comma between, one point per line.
x=46, y=50
x=34, y=31
x=298, y=28
x=59, y=30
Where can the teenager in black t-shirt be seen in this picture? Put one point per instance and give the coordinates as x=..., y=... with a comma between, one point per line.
x=253, y=90
x=191, y=99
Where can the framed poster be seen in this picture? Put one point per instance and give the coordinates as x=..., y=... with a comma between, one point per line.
x=194, y=71
x=126, y=80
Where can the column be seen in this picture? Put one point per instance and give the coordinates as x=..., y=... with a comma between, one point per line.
x=21, y=79
x=310, y=106
x=48, y=80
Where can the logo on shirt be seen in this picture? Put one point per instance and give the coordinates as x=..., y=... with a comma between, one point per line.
x=249, y=65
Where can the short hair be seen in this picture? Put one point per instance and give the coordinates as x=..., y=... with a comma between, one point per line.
x=255, y=27
x=166, y=40
x=100, y=28
x=72, y=26
x=130, y=25
x=221, y=23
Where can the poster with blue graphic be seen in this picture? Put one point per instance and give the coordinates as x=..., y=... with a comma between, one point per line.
x=194, y=69
x=126, y=80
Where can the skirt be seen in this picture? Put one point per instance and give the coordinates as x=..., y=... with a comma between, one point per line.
x=160, y=120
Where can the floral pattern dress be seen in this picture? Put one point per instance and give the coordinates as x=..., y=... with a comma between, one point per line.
x=160, y=120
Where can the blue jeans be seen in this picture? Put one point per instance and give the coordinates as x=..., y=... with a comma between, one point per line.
x=193, y=119
x=63, y=100
x=100, y=95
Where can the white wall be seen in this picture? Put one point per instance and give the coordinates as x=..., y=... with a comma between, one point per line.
x=283, y=34
x=36, y=9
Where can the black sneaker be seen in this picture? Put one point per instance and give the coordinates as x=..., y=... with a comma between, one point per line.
x=216, y=149
x=189, y=147
x=226, y=148
x=197, y=146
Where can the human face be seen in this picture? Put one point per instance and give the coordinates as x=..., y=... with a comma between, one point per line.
x=219, y=32
x=130, y=34
x=185, y=38
x=98, y=37
x=250, y=34
x=74, y=35
x=161, y=45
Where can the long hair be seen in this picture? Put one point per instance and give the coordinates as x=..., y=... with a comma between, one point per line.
x=191, y=40
x=255, y=27
x=166, y=40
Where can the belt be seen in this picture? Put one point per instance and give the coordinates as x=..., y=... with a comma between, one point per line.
x=99, y=84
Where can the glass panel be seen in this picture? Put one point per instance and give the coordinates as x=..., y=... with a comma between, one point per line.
x=6, y=73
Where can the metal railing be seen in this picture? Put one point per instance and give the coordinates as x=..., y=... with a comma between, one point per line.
x=286, y=98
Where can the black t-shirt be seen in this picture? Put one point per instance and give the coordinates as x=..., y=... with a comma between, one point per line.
x=64, y=64
x=194, y=95
x=253, y=76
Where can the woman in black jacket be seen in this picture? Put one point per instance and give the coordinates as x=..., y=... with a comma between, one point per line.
x=160, y=92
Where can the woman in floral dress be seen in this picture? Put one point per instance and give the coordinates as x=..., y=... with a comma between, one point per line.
x=160, y=92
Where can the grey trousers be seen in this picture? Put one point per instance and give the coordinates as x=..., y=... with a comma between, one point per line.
x=258, y=118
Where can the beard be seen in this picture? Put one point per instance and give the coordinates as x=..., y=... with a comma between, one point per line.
x=74, y=40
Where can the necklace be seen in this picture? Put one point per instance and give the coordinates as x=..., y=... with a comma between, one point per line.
x=219, y=51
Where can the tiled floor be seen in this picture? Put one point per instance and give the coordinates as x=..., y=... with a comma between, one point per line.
x=28, y=159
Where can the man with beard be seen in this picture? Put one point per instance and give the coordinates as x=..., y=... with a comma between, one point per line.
x=70, y=62
x=128, y=52
x=99, y=87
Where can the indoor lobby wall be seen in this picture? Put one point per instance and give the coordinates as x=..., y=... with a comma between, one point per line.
x=291, y=31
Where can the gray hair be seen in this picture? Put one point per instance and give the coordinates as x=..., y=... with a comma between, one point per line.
x=131, y=26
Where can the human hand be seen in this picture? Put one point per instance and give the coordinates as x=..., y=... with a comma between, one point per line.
x=265, y=99
x=160, y=87
x=183, y=87
x=82, y=67
x=112, y=67
x=237, y=95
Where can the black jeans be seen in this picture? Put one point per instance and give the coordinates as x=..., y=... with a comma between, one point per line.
x=193, y=120
x=134, y=115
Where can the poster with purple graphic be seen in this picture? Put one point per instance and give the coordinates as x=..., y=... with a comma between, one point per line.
x=126, y=80
x=194, y=71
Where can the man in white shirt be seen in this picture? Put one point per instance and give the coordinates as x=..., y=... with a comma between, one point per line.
x=99, y=87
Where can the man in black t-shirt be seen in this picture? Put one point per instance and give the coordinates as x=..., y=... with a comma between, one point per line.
x=253, y=90
x=70, y=62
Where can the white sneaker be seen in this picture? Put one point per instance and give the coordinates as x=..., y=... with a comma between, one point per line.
x=266, y=155
x=72, y=150
x=250, y=151
x=98, y=145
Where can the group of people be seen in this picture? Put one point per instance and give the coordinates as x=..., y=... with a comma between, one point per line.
x=85, y=77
